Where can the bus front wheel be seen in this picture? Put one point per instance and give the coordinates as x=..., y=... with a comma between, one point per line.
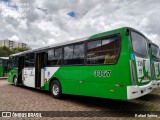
x=15, y=81
x=56, y=89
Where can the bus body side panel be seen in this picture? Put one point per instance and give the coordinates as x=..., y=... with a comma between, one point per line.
x=90, y=80
x=28, y=77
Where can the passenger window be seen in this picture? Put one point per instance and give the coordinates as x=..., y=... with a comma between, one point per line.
x=29, y=60
x=58, y=56
x=50, y=57
x=93, y=49
x=110, y=50
x=104, y=51
x=68, y=54
x=78, y=56
x=74, y=54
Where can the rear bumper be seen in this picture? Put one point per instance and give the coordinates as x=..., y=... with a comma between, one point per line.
x=138, y=91
x=154, y=84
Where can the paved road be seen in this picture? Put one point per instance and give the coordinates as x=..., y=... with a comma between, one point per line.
x=27, y=99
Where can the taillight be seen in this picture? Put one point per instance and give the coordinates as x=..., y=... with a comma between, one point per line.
x=133, y=75
x=152, y=72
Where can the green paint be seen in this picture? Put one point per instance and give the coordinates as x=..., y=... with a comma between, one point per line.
x=1, y=71
x=11, y=74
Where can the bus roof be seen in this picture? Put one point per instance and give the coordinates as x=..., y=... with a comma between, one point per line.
x=72, y=41
x=4, y=58
x=154, y=44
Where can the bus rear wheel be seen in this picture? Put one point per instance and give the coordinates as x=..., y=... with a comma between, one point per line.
x=15, y=81
x=56, y=89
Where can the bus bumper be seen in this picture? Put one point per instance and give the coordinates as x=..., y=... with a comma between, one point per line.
x=154, y=84
x=138, y=91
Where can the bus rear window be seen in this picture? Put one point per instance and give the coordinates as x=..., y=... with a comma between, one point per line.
x=139, y=44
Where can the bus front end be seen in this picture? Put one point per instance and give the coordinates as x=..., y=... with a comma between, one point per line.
x=141, y=83
x=158, y=69
x=155, y=63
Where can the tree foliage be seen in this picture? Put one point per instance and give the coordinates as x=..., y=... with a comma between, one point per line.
x=5, y=51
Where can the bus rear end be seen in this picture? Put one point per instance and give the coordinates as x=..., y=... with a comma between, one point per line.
x=139, y=66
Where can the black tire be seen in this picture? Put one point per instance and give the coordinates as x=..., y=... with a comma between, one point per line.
x=56, y=89
x=15, y=80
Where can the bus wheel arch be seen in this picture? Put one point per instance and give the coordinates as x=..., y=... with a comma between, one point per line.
x=15, y=80
x=55, y=88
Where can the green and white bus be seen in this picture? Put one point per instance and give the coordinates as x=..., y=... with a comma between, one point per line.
x=3, y=66
x=155, y=64
x=113, y=64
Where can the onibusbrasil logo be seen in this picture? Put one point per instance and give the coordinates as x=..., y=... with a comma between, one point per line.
x=15, y=10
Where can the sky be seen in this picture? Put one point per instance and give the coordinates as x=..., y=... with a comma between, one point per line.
x=44, y=22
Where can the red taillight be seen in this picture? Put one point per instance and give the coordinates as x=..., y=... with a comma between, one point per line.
x=134, y=92
x=133, y=75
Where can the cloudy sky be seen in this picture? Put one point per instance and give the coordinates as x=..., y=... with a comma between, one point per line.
x=44, y=22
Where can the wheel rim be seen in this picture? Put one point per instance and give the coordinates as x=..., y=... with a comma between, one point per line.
x=55, y=89
x=15, y=81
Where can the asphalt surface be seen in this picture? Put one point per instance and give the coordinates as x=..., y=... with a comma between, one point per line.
x=27, y=99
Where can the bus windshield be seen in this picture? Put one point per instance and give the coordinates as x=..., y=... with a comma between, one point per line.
x=155, y=51
x=139, y=44
x=12, y=63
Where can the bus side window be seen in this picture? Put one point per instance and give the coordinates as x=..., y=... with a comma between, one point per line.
x=78, y=56
x=58, y=56
x=107, y=59
x=93, y=50
x=54, y=57
x=104, y=51
x=29, y=60
x=50, y=57
x=68, y=54
x=110, y=49
x=74, y=54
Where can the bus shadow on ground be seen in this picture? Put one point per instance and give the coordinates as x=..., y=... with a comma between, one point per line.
x=106, y=104
x=115, y=108
x=119, y=106
x=150, y=97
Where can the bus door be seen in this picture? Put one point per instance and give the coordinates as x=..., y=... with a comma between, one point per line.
x=20, y=68
x=40, y=64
